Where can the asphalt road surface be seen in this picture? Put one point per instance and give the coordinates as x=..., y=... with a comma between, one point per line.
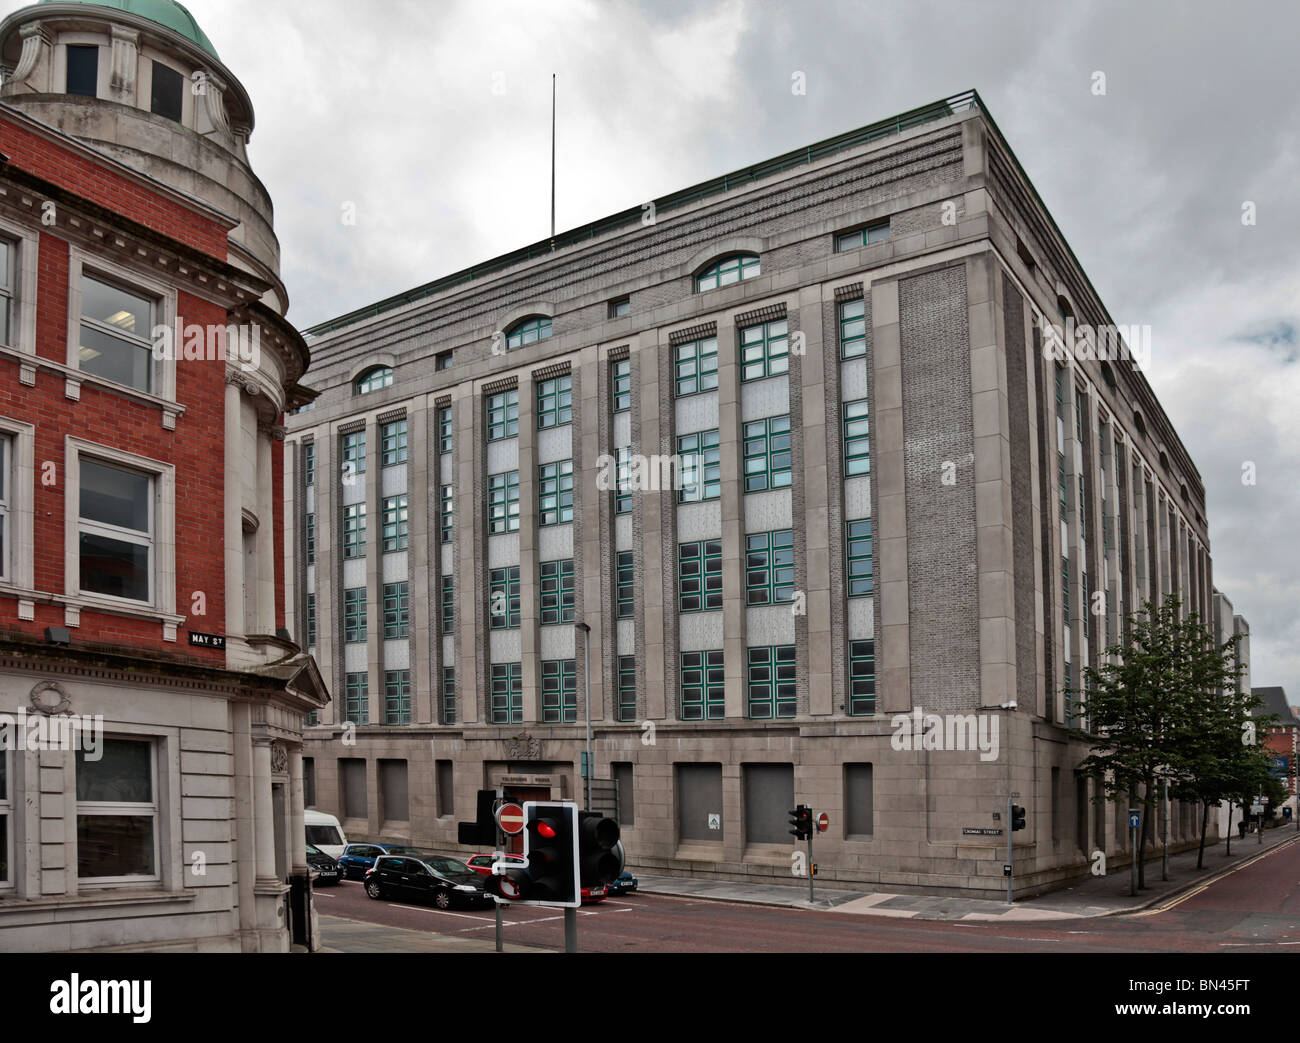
x=1254, y=909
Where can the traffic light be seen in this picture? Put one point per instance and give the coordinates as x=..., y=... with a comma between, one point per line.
x=600, y=857
x=551, y=851
x=801, y=819
x=1017, y=817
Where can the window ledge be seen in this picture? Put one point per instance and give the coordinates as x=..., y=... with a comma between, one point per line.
x=75, y=604
x=29, y=363
x=27, y=599
x=126, y=896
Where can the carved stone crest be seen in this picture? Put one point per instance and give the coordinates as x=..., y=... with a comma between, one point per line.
x=279, y=758
x=524, y=747
x=49, y=697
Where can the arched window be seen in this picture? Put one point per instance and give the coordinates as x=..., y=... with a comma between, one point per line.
x=373, y=379
x=725, y=272
x=528, y=331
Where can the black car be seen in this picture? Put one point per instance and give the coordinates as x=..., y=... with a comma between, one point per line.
x=446, y=881
x=324, y=869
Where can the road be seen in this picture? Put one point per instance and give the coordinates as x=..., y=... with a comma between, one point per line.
x=1255, y=909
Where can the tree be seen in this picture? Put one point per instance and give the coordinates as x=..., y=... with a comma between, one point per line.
x=1141, y=706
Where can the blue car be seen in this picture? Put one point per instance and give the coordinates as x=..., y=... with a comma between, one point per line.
x=357, y=858
x=625, y=883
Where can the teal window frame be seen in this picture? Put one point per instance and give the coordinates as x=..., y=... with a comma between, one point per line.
x=702, y=686
x=764, y=350
x=867, y=235
x=445, y=429
x=769, y=567
x=767, y=454
x=856, y=427
x=528, y=331
x=699, y=466
x=853, y=328
x=555, y=402
x=862, y=678
x=309, y=536
x=503, y=502
x=447, y=512
x=506, y=695
x=397, y=610
x=374, y=379
x=396, y=526
x=397, y=696
x=859, y=573
x=727, y=271
x=309, y=463
x=502, y=415
x=352, y=450
x=624, y=585
x=354, y=531
x=355, y=627
x=626, y=709
x=770, y=682
x=619, y=307
x=448, y=695
x=695, y=366
x=504, y=581
x=357, y=697
x=557, y=590
x=311, y=620
x=620, y=385
x=623, y=480
x=448, y=607
x=559, y=691
x=555, y=493
x=392, y=443
x=699, y=576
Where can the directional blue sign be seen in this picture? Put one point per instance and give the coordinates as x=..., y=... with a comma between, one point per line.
x=1134, y=819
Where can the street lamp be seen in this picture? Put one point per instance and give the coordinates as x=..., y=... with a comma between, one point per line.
x=586, y=704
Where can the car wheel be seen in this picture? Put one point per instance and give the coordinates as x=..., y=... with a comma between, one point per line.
x=442, y=899
x=372, y=889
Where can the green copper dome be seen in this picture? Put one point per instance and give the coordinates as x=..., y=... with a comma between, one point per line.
x=165, y=12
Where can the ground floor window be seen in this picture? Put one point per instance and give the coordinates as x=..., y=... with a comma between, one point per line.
x=117, y=812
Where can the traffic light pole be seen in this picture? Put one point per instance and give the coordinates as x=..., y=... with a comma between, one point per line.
x=1009, y=835
x=810, y=869
x=570, y=930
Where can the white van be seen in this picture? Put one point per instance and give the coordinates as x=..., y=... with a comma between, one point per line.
x=325, y=832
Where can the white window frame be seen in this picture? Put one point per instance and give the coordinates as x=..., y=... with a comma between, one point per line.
x=24, y=246
x=7, y=829
x=163, y=395
x=162, y=579
x=105, y=809
x=18, y=561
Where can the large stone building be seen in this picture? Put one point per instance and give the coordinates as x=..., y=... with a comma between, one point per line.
x=481, y=475
x=151, y=702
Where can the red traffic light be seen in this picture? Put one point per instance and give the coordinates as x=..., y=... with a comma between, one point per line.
x=544, y=829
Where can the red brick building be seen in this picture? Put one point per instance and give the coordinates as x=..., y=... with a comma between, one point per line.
x=1282, y=736
x=151, y=701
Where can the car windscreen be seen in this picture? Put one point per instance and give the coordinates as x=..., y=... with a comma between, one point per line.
x=323, y=835
x=452, y=869
x=312, y=849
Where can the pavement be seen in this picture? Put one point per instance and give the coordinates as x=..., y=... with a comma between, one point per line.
x=356, y=936
x=1097, y=896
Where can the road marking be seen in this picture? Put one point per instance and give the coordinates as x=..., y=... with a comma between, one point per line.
x=439, y=912
x=1213, y=880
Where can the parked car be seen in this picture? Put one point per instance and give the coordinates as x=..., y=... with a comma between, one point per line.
x=357, y=858
x=325, y=832
x=437, y=878
x=626, y=882
x=324, y=870
x=483, y=863
x=593, y=894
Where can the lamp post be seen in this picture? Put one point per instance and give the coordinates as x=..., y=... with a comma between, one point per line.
x=586, y=705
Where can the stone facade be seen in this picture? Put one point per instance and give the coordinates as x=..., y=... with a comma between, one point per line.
x=968, y=615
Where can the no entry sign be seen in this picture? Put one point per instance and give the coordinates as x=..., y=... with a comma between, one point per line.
x=510, y=817
x=823, y=822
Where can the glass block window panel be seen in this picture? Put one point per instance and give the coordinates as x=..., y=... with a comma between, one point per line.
x=699, y=576
x=695, y=366
x=447, y=499
x=857, y=439
x=397, y=610
x=309, y=463
x=503, y=598
x=627, y=688
x=769, y=567
x=853, y=329
x=555, y=402
x=448, y=695
x=556, y=588
x=555, y=493
x=311, y=620
x=353, y=452
x=770, y=682
x=861, y=579
x=528, y=331
x=862, y=678
x=503, y=502
x=507, y=693
x=116, y=334
x=397, y=697
x=559, y=692
x=396, y=523
x=767, y=456
x=354, y=615
x=620, y=385
x=392, y=443
x=444, y=429
x=625, y=585
x=702, y=686
x=699, y=461
x=357, y=700
x=727, y=271
x=765, y=350
x=354, y=531
x=115, y=531
x=448, y=604
x=310, y=537
x=503, y=415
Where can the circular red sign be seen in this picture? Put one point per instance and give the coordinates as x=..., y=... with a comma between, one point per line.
x=823, y=822
x=510, y=817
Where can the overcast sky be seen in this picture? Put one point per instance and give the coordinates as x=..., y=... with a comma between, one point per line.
x=434, y=119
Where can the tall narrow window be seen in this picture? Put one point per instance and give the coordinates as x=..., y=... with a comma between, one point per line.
x=767, y=457
x=555, y=493
x=83, y=71
x=503, y=598
x=857, y=439
x=771, y=682
x=311, y=620
x=769, y=567
x=861, y=577
x=448, y=695
x=6, y=493
x=309, y=463
x=557, y=591
x=620, y=385
x=507, y=695
x=503, y=502
x=695, y=366
x=397, y=696
x=503, y=415
x=310, y=537
x=862, y=678
x=115, y=531
x=625, y=585
x=354, y=615
x=6, y=807
x=702, y=688
x=353, y=452
x=555, y=402
x=853, y=329
x=167, y=92
x=699, y=576
x=116, y=327
x=354, y=531
x=392, y=443
x=448, y=512
x=397, y=610
x=627, y=688
x=448, y=604
x=559, y=692
x=765, y=350
x=357, y=702
x=699, y=461
x=395, y=524
x=444, y=429
x=6, y=290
